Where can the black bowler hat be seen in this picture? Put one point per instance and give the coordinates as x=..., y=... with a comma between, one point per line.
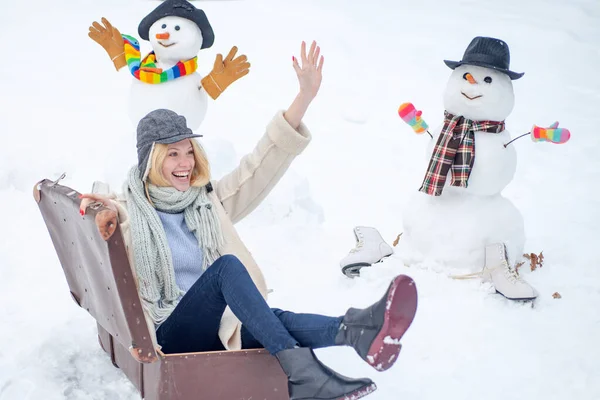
x=487, y=52
x=183, y=9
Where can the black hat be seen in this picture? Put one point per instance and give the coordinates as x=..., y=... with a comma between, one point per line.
x=183, y=9
x=487, y=52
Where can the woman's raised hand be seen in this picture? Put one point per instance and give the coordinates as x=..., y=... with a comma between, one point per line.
x=309, y=78
x=309, y=73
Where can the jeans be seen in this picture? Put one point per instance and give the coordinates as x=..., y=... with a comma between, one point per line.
x=194, y=324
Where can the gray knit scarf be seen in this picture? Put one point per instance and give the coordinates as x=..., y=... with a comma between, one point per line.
x=152, y=255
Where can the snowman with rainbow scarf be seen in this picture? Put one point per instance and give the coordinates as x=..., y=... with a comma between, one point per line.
x=459, y=218
x=167, y=77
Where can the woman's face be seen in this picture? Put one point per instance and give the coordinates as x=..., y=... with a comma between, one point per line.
x=179, y=164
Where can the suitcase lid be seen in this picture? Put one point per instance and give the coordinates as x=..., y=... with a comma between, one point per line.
x=97, y=270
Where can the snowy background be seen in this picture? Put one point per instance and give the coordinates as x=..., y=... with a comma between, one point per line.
x=63, y=109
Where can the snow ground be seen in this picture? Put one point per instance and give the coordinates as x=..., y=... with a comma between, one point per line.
x=63, y=109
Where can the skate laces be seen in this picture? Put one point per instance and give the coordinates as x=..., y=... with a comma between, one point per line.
x=511, y=274
x=359, y=241
x=467, y=276
x=358, y=246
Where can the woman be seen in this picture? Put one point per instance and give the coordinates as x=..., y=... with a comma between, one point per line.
x=199, y=284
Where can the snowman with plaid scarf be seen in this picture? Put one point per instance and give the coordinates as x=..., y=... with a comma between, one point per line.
x=459, y=218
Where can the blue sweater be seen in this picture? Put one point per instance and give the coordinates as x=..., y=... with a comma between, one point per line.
x=187, y=255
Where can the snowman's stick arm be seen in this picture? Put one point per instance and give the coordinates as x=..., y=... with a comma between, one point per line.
x=518, y=137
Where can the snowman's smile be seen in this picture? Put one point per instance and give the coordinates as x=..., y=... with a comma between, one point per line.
x=471, y=98
x=166, y=44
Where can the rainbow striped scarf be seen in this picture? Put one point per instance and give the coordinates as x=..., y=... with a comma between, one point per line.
x=146, y=70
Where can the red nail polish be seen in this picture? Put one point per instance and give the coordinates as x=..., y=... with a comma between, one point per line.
x=80, y=196
x=293, y=58
x=81, y=212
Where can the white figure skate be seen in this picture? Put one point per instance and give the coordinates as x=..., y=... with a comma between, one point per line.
x=370, y=249
x=505, y=279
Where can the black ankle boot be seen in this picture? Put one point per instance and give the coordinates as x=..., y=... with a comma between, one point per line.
x=375, y=332
x=309, y=379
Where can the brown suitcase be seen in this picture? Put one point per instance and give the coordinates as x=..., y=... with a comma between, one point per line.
x=101, y=281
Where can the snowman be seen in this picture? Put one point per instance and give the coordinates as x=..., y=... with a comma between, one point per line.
x=167, y=77
x=459, y=218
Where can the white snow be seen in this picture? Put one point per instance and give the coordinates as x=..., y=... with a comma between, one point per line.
x=362, y=393
x=60, y=113
x=391, y=340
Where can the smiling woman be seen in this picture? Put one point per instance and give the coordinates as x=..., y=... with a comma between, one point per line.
x=184, y=164
x=200, y=287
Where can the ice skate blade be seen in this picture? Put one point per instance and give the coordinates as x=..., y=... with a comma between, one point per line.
x=353, y=270
x=517, y=298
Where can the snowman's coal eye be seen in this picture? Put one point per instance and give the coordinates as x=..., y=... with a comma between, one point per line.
x=177, y=27
x=488, y=79
x=164, y=26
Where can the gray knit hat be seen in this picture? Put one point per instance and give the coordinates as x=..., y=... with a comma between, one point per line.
x=159, y=126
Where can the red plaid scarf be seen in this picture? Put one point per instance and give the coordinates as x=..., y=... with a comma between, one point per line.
x=455, y=148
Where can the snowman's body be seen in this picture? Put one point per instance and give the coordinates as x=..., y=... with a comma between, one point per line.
x=173, y=39
x=181, y=95
x=453, y=229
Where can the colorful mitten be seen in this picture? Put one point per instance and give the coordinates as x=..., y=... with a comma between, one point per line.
x=552, y=134
x=225, y=72
x=411, y=116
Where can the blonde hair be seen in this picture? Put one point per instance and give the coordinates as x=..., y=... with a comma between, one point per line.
x=200, y=175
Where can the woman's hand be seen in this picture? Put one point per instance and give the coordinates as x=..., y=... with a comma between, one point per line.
x=309, y=77
x=90, y=198
x=309, y=74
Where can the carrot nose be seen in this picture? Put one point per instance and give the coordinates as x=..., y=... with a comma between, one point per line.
x=164, y=35
x=469, y=78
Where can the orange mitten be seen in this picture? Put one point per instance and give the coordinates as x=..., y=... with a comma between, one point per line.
x=225, y=72
x=110, y=39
